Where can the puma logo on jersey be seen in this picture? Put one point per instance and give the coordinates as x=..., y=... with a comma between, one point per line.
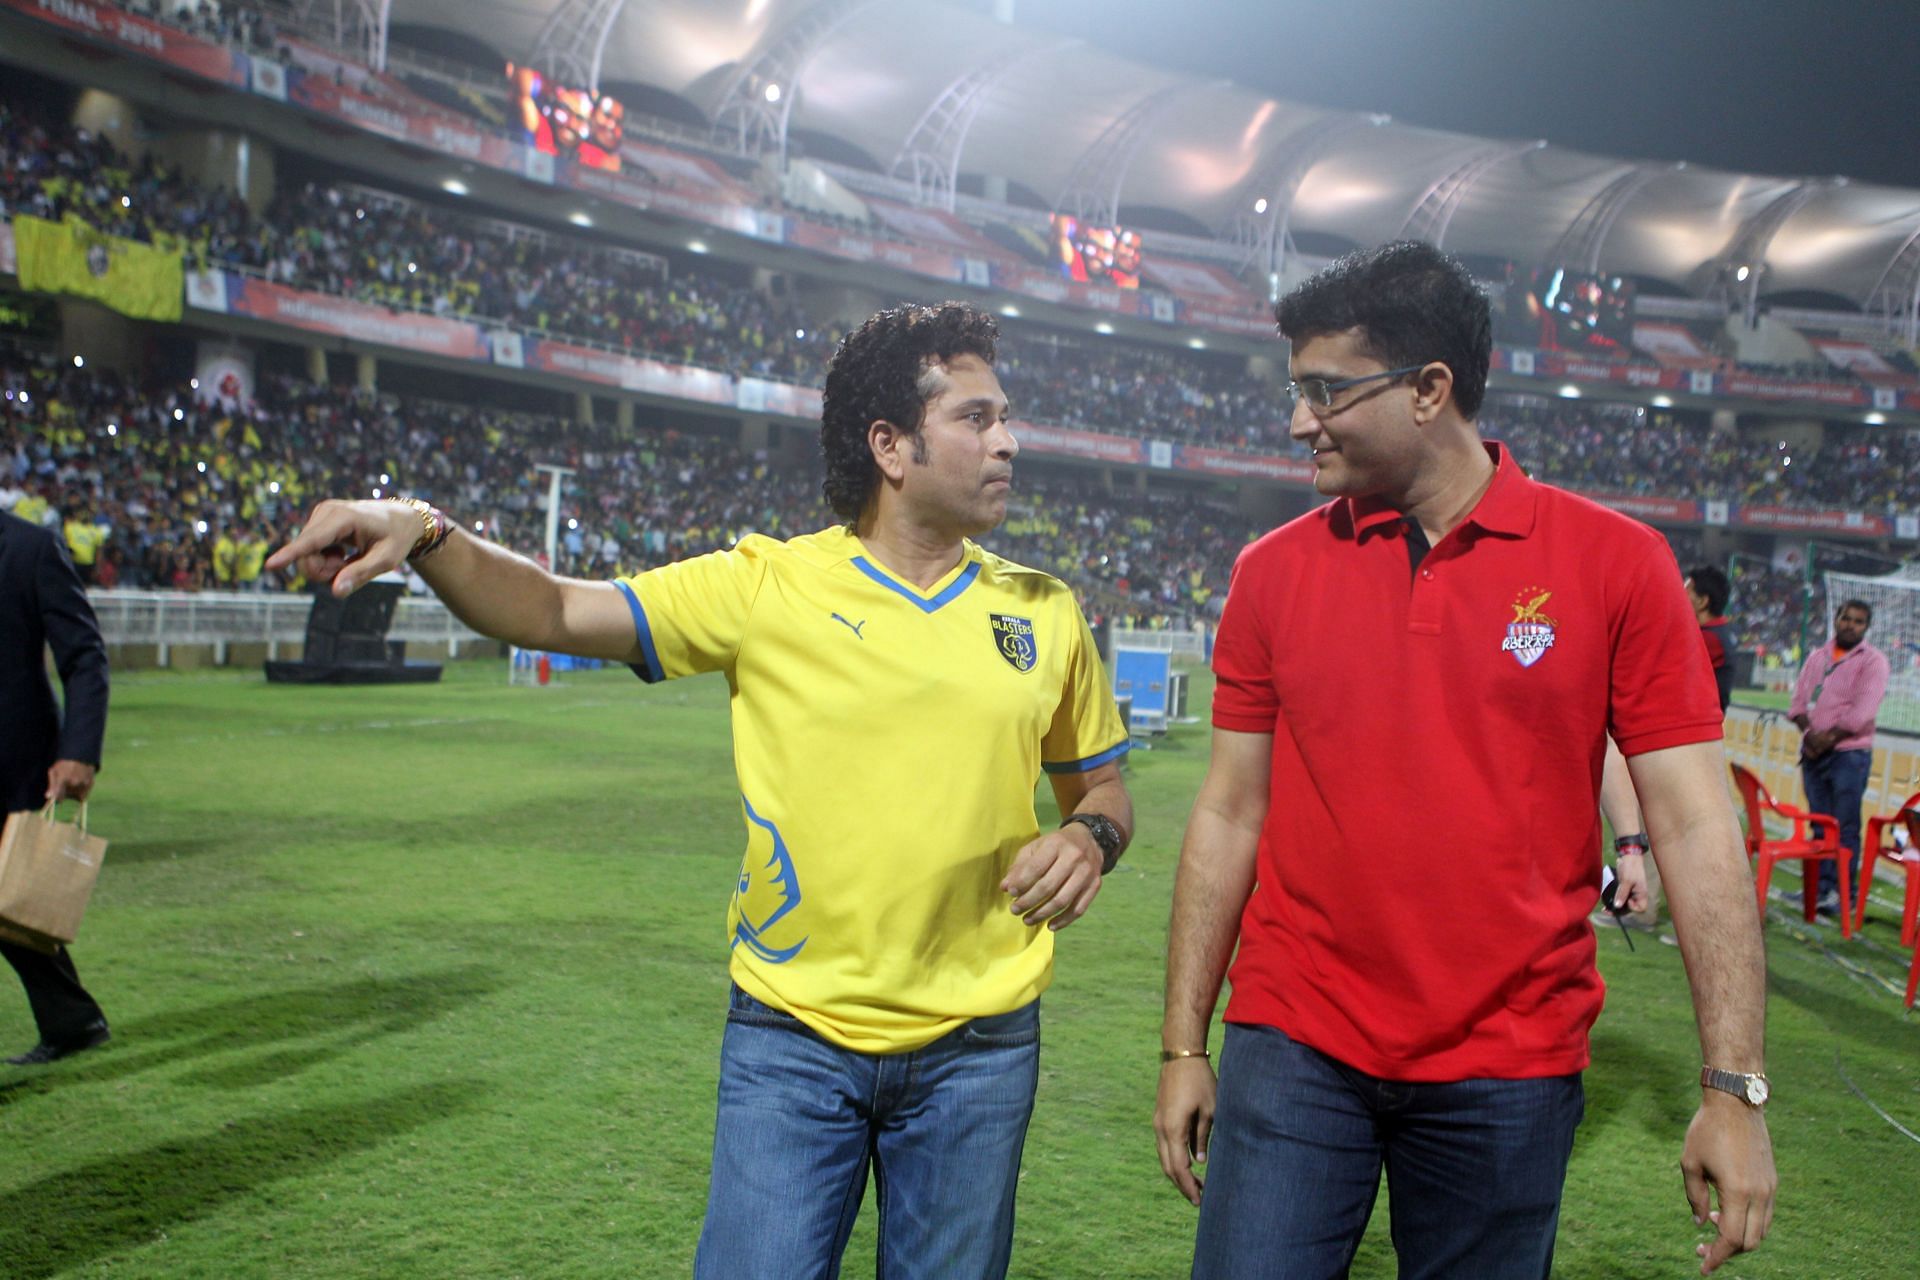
x=853, y=627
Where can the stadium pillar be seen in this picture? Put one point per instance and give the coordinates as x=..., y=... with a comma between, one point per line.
x=794, y=447
x=239, y=162
x=366, y=372
x=101, y=337
x=583, y=408
x=317, y=366
x=1725, y=422
x=1271, y=508
x=110, y=117
x=623, y=416
x=754, y=434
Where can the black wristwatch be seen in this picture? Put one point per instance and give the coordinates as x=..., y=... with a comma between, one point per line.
x=1106, y=834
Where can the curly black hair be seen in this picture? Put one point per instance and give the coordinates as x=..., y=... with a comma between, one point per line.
x=880, y=374
x=1412, y=303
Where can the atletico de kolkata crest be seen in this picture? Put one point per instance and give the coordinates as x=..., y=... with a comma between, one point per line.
x=1014, y=638
x=1530, y=634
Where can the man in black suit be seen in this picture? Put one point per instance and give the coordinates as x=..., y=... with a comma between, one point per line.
x=44, y=755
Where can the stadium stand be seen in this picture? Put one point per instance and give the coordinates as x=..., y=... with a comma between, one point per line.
x=326, y=234
x=191, y=493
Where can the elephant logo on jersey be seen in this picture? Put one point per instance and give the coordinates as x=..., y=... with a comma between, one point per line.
x=1014, y=636
x=766, y=896
x=1530, y=634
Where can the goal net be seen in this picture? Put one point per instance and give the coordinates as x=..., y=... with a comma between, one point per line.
x=1895, y=599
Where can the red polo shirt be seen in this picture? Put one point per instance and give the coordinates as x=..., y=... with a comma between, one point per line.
x=1431, y=848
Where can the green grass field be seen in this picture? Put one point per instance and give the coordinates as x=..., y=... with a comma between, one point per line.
x=430, y=982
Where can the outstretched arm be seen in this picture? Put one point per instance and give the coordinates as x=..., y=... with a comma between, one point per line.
x=489, y=588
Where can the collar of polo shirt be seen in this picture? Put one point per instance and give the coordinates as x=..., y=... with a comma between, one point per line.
x=1505, y=508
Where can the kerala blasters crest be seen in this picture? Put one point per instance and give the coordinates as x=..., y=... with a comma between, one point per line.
x=1530, y=634
x=1014, y=636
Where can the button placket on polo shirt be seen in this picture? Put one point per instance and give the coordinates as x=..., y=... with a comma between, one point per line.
x=1425, y=609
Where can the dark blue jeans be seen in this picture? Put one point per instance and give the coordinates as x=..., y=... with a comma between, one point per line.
x=1836, y=783
x=1474, y=1168
x=801, y=1119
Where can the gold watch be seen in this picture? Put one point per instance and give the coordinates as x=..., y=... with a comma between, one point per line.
x=1750, y=1087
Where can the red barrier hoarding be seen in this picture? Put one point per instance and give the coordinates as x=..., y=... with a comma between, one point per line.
x=1253, y=323
x=115, y=26
x=1804, y=520
x=637, y=193
x=857, y=247
x=1760, y=387
x=1090, y=445
x=361, y=321
x=1654, y=510
x=1252, y=466
x=783, y=399
x=637, y=374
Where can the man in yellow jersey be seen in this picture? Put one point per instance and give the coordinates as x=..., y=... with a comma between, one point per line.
x=889, y=941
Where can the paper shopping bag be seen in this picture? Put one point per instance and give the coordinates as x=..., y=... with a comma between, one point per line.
x=47, y=870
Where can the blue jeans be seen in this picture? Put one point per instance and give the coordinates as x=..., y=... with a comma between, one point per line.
x=801, y=1119
x=1474, y=1167
x=1836, y=784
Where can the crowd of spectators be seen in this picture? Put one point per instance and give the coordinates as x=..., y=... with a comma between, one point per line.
x=160, y=487
x=411, y=255
x=235, y=22
x=1137, y=390
x=1621, y=449
x=407, y=255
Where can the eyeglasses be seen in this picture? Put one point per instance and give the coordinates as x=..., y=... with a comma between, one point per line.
x=1319, y=391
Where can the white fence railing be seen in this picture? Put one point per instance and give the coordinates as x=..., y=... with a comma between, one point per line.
x=221, y=618
x=1766, y=742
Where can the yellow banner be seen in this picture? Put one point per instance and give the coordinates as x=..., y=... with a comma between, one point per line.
x=71, y=257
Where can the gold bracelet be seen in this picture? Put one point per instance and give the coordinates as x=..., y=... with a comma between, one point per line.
x=1174, y=1055
x=434, y=527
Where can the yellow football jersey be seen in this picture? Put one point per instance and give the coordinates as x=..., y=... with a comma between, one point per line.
x=887, y=741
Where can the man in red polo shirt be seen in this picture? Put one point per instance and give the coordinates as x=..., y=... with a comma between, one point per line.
x=1416, y=683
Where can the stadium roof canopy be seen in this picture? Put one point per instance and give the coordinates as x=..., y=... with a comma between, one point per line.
x=1080, y=126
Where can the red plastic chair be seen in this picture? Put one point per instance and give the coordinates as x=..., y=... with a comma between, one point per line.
x=1875, y=846
x=1822, y=846
x=1913, y=900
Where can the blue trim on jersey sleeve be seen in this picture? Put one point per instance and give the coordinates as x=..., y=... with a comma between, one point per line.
x=1091, y=762
x=954, y=588
x=652, y=674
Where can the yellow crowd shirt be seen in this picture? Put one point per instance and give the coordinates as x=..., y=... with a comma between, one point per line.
x=83, y=540
x=226, y=558
x=887, y=742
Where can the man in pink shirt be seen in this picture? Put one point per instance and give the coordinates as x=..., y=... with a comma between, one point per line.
x=1835, y=704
